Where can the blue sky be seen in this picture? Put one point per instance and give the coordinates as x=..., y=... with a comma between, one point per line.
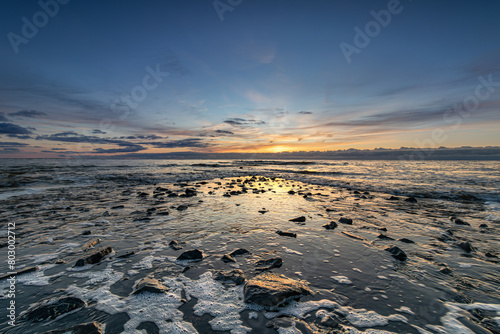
x=270, y=77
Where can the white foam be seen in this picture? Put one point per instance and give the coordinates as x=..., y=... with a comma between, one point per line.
x=253, y=315
x=40, y=258
x=358, y=270
x=342, y=279
x=289, y=330
x=37, y=278
x=405, y=309
x=147, y=262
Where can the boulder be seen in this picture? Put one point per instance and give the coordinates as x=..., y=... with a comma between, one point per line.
x=94, y=257
x=271, y=290
x=406, y=241
x=192, y=255
x=239, y=252
x=466, y=246
x=236, y=276
x=397, y=253
x=344, y=220
x=268, y=264
x=331, y=225
x=300, y=219
x=149, y=285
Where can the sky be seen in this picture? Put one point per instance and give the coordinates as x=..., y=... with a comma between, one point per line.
x=103, y=78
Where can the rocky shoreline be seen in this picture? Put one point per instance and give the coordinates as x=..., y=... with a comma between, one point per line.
x=249, y=254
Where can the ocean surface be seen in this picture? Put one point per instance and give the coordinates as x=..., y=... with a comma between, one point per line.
x=139, y=206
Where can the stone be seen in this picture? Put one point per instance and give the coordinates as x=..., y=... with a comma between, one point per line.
x=344, y=220
x=397, y=253
x=406, y=241
x=174, y=244
x=287, y=234
x=88, y=328
x=149, y=285
x=268, y=264
x=466, y=246
x=411, y=200
x=239, y=252
x=126, y=255
x=53, y=308
x=90, y=244
x=182, y=207
x=271, y=290
x=227, y=258
x=300, y=219
x=393, y=198
x=331, y=225
x=236, y=276
x=446, y=271
x=192, y=255
x=459, y=221
x=385, y=237
x=94, y=257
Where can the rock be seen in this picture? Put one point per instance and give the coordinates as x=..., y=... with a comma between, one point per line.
x=263, y=211
x=117, y=207
x=300, y=219
x=174, y=244
x=329, y=210
x=88, y=232
x=192, y=255
x=239, y=252
x=20, y=272
x=268, y=264
x=331, y=225
x=182, y=207
x=271, y=290
x=227, y=258
x=397, y=253
x=53, y=308
x=287, y=234
x=411, y=200
x=488, y=254
x=406, y=241
x=344, y=220
x=446, y=271
x=88, y=328
x=149, y=285
x=393, y=198
x=95, y=257
x=385, y=237
x=351, y=235
x=446, y=236
x=291, y=192
x=466, y=246
x=236, y=276
x=189, y=192
x=483, y=226
x=459, y=221
x=383, y=229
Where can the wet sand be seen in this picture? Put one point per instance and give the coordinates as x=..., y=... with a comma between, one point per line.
x=441, y=287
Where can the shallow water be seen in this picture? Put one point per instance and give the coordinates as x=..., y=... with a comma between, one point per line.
x=348, y=274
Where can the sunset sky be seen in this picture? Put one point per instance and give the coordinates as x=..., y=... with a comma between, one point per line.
x=117, y=77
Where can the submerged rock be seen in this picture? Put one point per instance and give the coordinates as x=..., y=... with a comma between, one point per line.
x=94, y=257
x=287, y=234
x=239, y=252
x=466, y=246
x=236, y=276
x=150, y=285
x=174, y=244
x=53, y=308
x=446, y=271
x=459, y=221
x=406, y=241
x=411, y=200
x=397, y=253
x=300, y=219
x=385, y=237
x=271, y=290
x=192, y=255
x=331, y=225
x=344, y=220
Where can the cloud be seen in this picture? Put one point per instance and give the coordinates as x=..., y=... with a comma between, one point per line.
x=10, y=135
x=97, y=131
x=243, y=122
x=305, y=112
x=3, y=118
x=216, y=133
x=11, y=144
x=27, y=113
x=9, y=128
x=126, y=149
x=190, y=142
x=10, y=150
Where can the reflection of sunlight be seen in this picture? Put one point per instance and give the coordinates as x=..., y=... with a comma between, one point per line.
x=277, y=149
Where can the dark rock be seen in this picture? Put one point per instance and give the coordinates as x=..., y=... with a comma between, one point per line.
x=227, y=258
x=182, y=207
x=268, y=264
x=117, y=207
x=385, y=237
x=192, y=255
x=483, y=226
x=331, y=225
x=95, y=257
x=142, y=194
x=351, y=235
x=397, y=253
x=174, y=244
x=459, y=221
x=488, y=254
x=300, y=219
x=466, y=246
x=236, y=276
x=190, y=192
x=344, y=220
x=88, y=232
x=329, y=210
x=52, y=308
x=291, y=192
x=162, y=213
x=172, y=195
x=446, y=271
x=149, y=285
x=88, y=328
x=239, y=252
x=287, y=234
x=263, y=211
x=411, y=200
x=406, y=241
x=383, y=229
x=90, y=244
x=271, y=290
x=393, y=198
